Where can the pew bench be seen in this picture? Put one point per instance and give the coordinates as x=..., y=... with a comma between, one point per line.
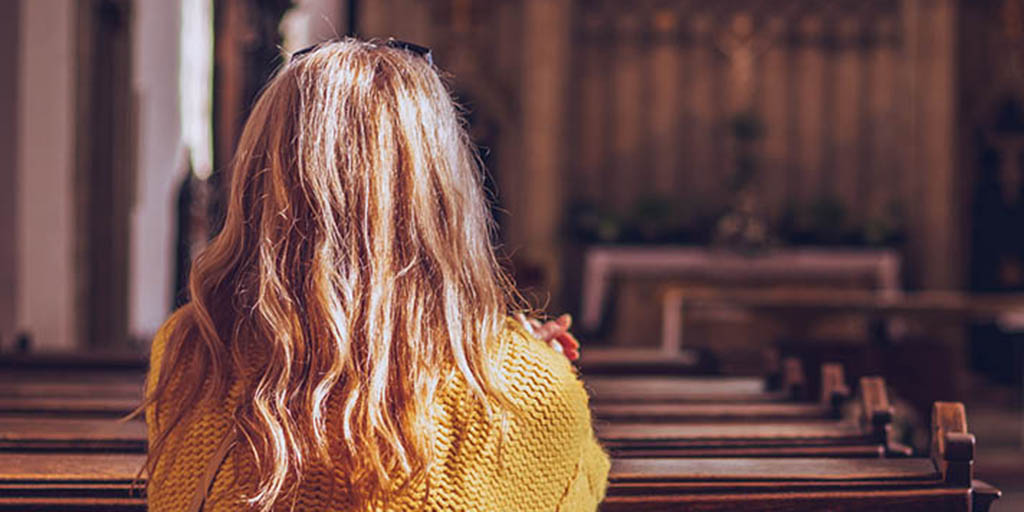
x=668, y=404
x=786, y=385
x=943, y=482
x=68, y=407
x=867, y=435
x=70, y=482
x=43, y=388
x=71, y=435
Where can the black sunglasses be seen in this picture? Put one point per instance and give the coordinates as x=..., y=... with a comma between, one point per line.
x=420, y=51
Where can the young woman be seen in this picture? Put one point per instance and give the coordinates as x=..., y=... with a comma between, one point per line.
x=348, y=344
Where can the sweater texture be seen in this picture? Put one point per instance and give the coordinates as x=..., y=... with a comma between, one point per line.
x=547, y=459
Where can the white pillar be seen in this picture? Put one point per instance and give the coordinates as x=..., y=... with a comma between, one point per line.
x=312, y=21
x=156, y=32
x=46, y=165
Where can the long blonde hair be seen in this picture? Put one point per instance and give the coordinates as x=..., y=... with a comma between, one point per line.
x=356, y=259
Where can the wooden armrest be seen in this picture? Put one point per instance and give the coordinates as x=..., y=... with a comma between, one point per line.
x=834, y=390
x=877, y=412
x=952, y=446
x=794, y=381
x=898, y=450
x=983, y=495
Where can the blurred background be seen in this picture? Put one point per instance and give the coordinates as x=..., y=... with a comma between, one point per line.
x=696, y=180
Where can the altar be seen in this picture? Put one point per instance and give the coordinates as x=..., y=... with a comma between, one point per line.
x=629, y=292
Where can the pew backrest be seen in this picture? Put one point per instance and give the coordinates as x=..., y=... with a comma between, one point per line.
x=952, y=446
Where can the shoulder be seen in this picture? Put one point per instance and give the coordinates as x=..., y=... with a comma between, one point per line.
x=551, y=438
x=539, y=379
x=177, y=320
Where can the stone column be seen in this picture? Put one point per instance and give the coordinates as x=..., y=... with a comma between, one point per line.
x=934, y=209
x=45, y=174
x=159, y=165
x=536, y=192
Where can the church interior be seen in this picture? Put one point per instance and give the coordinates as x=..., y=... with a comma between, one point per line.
x=790, y=233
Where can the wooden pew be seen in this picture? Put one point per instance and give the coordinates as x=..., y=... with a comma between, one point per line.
x=43, y=388
x=833, y=393
x=74, y=363
x=65, y=407
x=868, y=435
x=86, y=423
x=642, y=361
x=50, y=434
x=70, y=393
x=70, y=482
x=716, y=389
x=941, y=483
x=944, y=482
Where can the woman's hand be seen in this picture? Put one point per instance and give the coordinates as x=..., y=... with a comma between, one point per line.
x=556, y=333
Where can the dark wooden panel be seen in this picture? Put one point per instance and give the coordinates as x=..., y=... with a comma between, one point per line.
x=804, y=470
x=690, y=412
x=797, y=450
x=69, y=407
x=603, y=361
x=70, y=482
x=902, y=500
x=113, y=388
x=674, y=389
x=71, y=434
x=69, y=467
x=708, y=432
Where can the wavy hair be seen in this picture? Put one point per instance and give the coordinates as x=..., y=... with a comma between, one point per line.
x=356, y=261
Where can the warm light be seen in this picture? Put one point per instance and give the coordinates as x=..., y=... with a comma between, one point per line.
x=196, y=83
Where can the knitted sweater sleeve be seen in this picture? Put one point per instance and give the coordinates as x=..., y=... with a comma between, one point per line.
x=156, y=356
x=557, y=422
x=587, y=486
x=156, y=353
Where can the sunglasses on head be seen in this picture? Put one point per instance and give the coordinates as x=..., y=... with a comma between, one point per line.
x=420, y=51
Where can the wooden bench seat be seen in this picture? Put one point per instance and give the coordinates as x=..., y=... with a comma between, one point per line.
x=681, y=389
x=648, y=440
x=718, y=398
x=633, y=361
x=833, y=439
x=943, y=482
x=49, y=434
x=114, y=388
x=698, y=472
x=866, y=435
x=78, y=363
x=790, y=385
x=70, y=482
x=68, y=407
x=705, y=412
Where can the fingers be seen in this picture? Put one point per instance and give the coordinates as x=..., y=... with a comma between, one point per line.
x=566, y=338
x=565, y=320
x=570, y=345
x=556, y=333
x=551, y=329
x=548, y=331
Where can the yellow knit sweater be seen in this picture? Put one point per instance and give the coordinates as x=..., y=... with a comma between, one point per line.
x=549, y=460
